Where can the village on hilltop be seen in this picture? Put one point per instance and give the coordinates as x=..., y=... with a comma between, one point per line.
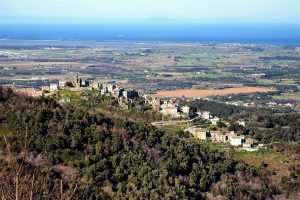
x=168, y=107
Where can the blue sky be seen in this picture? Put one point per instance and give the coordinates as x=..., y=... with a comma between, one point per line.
x=152, y=11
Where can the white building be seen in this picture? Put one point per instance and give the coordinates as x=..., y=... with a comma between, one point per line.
x=53, y=87
x=185, y=110
x=223, y=138
x=96, y=85
x=172, y=111
x=110, y=87
x=103, y=90
x=203, y=135
x=242, y=123
x=199, y=133
x=205, y=115
x=215, y=135
x=84, y=83
x=168, y=103
x=156, y=103
x=272, y=104
x=62, y=83
x=117, y=92
x=236, y=141
x=214, y=120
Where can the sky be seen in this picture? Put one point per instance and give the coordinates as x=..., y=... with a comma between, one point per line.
x=149, y=11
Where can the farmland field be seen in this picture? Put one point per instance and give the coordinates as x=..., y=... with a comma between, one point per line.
x=166, y=69
x=212, y=92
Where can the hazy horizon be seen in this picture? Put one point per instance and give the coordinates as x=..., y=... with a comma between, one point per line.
x=247, y=21
x=150, y=11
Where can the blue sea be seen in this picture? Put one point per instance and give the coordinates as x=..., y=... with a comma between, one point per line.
x=47, y=34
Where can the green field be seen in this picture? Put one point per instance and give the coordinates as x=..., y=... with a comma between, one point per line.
x=288, y=96
x=274, y=161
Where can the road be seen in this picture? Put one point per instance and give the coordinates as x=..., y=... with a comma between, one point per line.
x=161, y=124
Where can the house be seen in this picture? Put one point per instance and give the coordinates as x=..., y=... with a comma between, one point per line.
x=45, y=89
x=84, y=83
x=236, y=141
x=155, y=102
x=117, y=92
x=77, y=81
x=171, y=111
x=223, y=138
x=96, y=85
x=80, y=82
x=214, y=120
x=241, y=123
x=185, y=110
x=53, y=87
x=243, y=138
x=168, y=103
x=62, y=83
x=193, y=130
x=103, y=89
x=130, y=94
x=235, y=103
x=203, y=135
x=169, y=107
x=271, y=104
x=33, y=92
x=218, y=136
x=250, y=142
x=205, y=115
x=199, y=133
x=37, y=93
x=110, y=87
x=231, y=134
x=288, y=105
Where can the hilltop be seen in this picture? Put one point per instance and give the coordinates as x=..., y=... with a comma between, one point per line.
x=99, y=156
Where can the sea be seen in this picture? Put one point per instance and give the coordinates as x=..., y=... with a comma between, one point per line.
x=83, y=34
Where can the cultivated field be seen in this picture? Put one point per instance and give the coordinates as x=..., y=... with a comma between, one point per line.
x=206, y=93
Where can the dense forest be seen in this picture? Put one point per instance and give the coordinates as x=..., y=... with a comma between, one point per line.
x=52, y=151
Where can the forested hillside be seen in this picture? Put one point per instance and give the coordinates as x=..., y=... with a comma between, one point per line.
x=48, y=150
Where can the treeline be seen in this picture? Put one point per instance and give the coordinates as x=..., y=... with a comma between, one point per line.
x=70, y=59
x=102, y=156
x=38, y=47
x=279, y=58
x=246, y=97
x=277, y=72
x=185, y=68
x=231, y=79
x=217, y=109
x=160, y=84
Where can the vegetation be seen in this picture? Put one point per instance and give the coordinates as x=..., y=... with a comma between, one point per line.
x=216, y=109
x=271, y=159
x=263, y=124
x=90, y=154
